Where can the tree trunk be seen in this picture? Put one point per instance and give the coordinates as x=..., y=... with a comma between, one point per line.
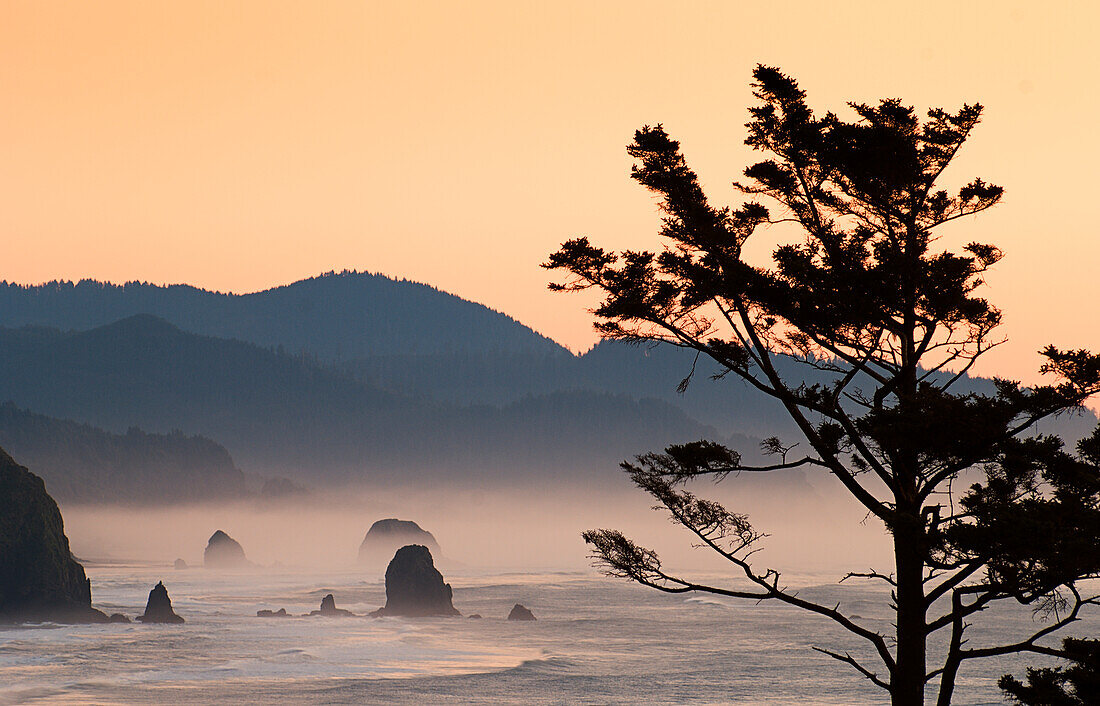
x=951, y=666
x=907, y=684
x=947, y=681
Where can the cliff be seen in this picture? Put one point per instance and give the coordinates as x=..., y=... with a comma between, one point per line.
x=39, y=579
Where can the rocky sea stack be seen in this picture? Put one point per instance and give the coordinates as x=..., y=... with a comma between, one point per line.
x=520, y=613
x=387, y=536
x=39, y=579
x=224, y=552
x=414, y=587
x=159, y=607
x=328, y=608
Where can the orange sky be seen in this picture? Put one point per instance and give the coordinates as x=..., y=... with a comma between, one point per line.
x=240, y=145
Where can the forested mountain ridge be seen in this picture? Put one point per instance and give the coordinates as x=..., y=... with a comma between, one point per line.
x=611, y=367
x=614, y=367
x=280, y=414
x=341, y=400
x=82, y=463
x=335, y=316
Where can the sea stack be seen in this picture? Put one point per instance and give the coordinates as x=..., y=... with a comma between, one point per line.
x=414, y=587
x=329, y=609
x=159, y=607
x=39, y=578
x=224, y=552
x=387, y=536
x=520, y=613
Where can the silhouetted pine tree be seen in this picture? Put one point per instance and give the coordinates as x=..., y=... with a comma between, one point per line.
x=868, y=298
x=1075, y=685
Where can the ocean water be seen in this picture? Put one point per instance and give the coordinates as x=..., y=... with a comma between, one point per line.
x=596, y=641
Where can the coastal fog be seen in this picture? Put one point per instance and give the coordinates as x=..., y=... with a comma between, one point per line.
x=533, y=528
x=594, y=639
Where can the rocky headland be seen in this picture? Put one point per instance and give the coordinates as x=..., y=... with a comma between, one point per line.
x=39, y=578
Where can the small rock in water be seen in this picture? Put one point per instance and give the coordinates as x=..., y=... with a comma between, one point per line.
x=159, y=608
x=118, y=618
x=180, y=565
x=281, y=613
x=328, y=608
x=520, y=613
x=475, y=616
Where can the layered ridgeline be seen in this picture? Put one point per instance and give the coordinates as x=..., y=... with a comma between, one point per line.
x=417, y=341
x=290, y=415
x=613, y=367
x=80, y=462
x=337, y=316
x=361, y=376
x=398, y=336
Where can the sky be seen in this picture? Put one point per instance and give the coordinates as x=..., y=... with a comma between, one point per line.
x=241, y=145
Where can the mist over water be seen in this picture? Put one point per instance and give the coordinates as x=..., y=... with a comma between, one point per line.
x=596, y=640
x=534, y=528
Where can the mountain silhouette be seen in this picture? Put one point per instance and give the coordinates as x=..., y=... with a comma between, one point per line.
x=335, y=316
x=82, y=463
x=355, y=375
x=611, y=367
x=290, y=415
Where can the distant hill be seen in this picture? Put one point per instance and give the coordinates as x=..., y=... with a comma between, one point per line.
x=612, y=367
x=143, y=371
x=282, y=414
x=336, y=316
x=271, y=409
x=82, y=463
x=424, y=346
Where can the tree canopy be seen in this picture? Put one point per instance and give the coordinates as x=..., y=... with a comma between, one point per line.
x=869, y=296
x=1075, y=684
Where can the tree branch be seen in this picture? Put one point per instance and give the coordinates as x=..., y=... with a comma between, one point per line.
x=848, y=659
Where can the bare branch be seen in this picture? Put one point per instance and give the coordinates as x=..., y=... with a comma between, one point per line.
x=1029, y=644
x=848, y=659
x=871, y=574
